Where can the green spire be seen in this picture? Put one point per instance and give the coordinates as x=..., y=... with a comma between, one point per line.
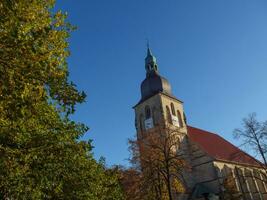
x=150, y=62
x=149, y=53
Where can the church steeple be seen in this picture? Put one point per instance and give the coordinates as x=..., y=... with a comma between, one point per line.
x=154, y=83
x=150, y=63
x=157, y=104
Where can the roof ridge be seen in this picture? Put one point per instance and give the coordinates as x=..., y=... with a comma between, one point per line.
x=203, y=130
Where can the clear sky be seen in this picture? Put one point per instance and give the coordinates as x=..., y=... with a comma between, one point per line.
x=214, y=53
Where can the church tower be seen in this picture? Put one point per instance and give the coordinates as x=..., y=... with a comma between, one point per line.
x=212, y=160
x=157, y=104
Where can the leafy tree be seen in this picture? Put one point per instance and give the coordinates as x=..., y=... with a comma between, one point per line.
x=156, y=154
x=40, y=154
x=131, y=182
x=254, y=135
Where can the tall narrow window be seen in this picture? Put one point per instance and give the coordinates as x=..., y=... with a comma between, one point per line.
x=148, y=118
x=173, y=110
x=250, y=181
x=242, y=181
x=259, y=181
x=169, y=117
x=179, y=118
x=148, y=112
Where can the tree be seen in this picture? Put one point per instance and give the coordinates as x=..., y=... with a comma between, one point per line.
x=40, y=154
x=156, y=153
x=131, y=182
x=254, y=134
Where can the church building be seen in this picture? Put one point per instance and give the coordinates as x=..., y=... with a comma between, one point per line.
x=214, y=161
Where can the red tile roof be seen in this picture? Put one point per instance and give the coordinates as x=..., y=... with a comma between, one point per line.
x=219, y=148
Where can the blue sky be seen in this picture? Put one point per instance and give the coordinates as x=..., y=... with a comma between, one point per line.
x=214, y=53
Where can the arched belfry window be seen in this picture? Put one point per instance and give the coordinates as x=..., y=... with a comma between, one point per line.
x=173, y=110
x=179, y=118
x=148, y=112
x=148, y=122
x=168, y=112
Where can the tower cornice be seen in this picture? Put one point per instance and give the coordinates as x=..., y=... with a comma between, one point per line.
x=160, y=93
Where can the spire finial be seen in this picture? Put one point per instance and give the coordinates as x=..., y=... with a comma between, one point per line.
x=150, y=62
x=149, y=53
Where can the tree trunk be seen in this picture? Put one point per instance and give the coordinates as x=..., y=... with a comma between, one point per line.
x=159, y=186
x=262, y=154
x=169, y=190
x=169, y=183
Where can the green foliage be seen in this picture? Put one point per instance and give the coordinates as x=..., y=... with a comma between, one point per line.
x=40, y=155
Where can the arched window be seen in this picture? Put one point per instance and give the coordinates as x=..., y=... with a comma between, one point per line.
x=148, y=112
x=179, y=118
x=173, y=110
x=168, y=112
x=141, y=120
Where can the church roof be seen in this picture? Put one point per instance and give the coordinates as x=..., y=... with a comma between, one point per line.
x=219, y=148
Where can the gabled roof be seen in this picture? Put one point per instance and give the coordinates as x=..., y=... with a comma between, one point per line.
x=219, y=148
